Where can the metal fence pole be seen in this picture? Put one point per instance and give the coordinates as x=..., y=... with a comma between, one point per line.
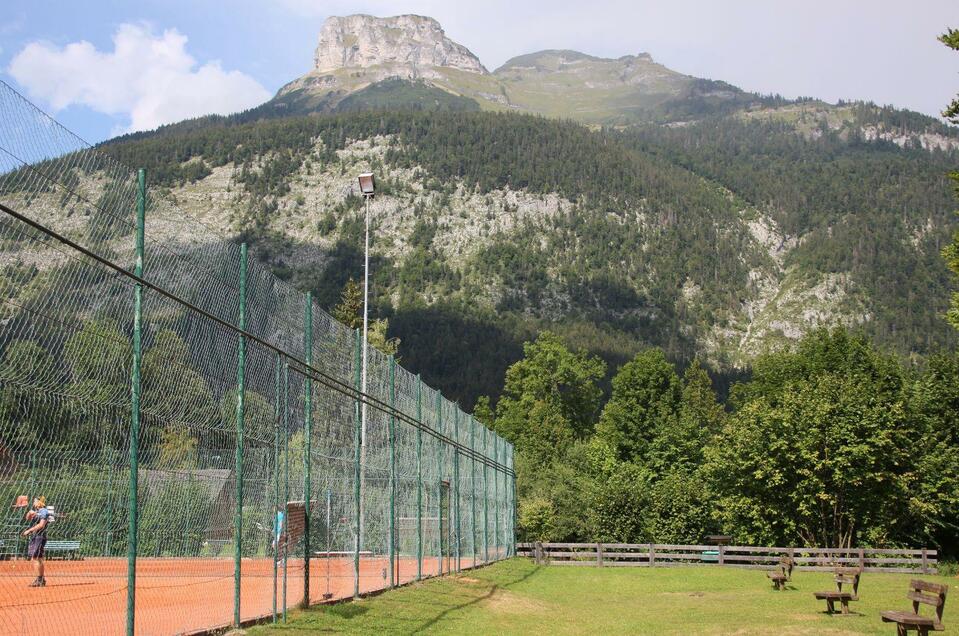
x=496, y=501
x=393, y=573
x=419, y=479
x=439, y=484
x=473, y=487
x=485, y=502
x=512, y=467
x=307, y=448
x=135, y=405
x=456, y=482
x=276, y=479
x=240, y=403
x=357, y=442
x=286, y=470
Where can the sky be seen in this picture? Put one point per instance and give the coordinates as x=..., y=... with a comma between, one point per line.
x=107, y=67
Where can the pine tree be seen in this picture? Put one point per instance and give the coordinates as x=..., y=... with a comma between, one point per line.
x=349, y=311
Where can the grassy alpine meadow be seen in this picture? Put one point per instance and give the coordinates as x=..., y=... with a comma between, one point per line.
x=519, y=597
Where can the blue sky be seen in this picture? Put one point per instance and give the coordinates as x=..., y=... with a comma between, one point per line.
x=108, y=67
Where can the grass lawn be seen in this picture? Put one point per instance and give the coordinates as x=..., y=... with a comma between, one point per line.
x=518, y=597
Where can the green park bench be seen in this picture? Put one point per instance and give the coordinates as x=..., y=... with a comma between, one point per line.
x=68, y=549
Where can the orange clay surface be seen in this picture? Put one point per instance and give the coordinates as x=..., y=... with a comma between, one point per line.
x=175, y=596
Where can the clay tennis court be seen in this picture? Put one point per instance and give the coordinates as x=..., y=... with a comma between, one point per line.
x=175, y=596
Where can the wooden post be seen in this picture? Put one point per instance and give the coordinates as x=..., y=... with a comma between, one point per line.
x=599, y=554
x=722, y=554
x=538, y=552
x=862, y=559
x=652, y=555
x=925, y=562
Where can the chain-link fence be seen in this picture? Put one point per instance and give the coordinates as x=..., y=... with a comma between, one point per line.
x=196, y=425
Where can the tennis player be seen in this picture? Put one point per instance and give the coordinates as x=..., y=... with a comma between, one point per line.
x=38, y=538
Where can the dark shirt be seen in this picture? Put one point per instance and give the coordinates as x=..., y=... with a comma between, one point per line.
x=41, y=515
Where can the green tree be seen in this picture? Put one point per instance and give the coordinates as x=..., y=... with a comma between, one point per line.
x=644, y=406
x=823, y=455
x=680, y=443
x=349, y=311
x=935, y=500
x=618, y=499
x=951, y=253
x=537, y=519
x=177, y=396
x=25, y=420
x=556, y=386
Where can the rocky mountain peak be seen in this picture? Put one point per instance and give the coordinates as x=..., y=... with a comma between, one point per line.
x=409, y=45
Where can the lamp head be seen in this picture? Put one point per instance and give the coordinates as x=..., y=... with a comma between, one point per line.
x=367, y=184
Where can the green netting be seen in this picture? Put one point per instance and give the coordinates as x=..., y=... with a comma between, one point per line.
x=398, y=481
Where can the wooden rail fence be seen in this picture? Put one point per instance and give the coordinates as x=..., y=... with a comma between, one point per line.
x=664, y=555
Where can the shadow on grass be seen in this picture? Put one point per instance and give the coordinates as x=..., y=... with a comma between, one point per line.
x=495, y=587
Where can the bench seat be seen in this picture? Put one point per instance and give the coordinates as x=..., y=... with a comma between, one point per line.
x=909, y=618
x=844, y=598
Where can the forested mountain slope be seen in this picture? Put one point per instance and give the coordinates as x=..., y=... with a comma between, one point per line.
x=721, y=238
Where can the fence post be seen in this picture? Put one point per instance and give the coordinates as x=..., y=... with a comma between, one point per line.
x=456, y=481
x=276, y=479
x=393, y=577
x=496, y=501
x=512, y=466
x=286, y=470
x=862, y=559
x=473, y=486
x=357, y=442
x=722, y=554
x=925, y=561
x=240, y=400
x=599, y=554
x=307, y=446
x=419, y=478
x=485, y=501
x=135, y=404
x=652, y=555
x=439, y=484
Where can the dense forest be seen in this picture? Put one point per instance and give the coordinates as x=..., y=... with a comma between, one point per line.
x=654, y=247
x=830, y=443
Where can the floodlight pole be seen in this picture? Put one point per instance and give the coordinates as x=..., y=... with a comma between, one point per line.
x=366, y=301
x=367, y=185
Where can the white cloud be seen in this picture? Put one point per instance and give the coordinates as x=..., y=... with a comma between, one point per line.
x=148, y=79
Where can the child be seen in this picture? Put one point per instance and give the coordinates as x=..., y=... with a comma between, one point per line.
x=39, y=515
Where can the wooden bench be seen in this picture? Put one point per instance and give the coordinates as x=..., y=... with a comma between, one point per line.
x=933, y=594
x=71, y=549
x=783, y=572
x=844, y=576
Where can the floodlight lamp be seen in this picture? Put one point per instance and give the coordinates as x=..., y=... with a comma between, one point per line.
x=367, y=184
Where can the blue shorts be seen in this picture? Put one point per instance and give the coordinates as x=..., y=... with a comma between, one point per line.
x=37, y=544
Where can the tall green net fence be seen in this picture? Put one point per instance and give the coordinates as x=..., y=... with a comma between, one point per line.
x=196, y=425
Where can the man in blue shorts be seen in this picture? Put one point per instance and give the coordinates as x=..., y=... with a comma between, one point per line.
x=38, y=538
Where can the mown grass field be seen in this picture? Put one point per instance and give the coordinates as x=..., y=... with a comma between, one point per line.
x=518, y=597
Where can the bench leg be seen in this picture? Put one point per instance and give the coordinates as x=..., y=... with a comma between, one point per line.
x=845, y=606
x=900, y=629
x=830, y=608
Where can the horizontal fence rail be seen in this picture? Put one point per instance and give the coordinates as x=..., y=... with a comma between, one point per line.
x=921, y=561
